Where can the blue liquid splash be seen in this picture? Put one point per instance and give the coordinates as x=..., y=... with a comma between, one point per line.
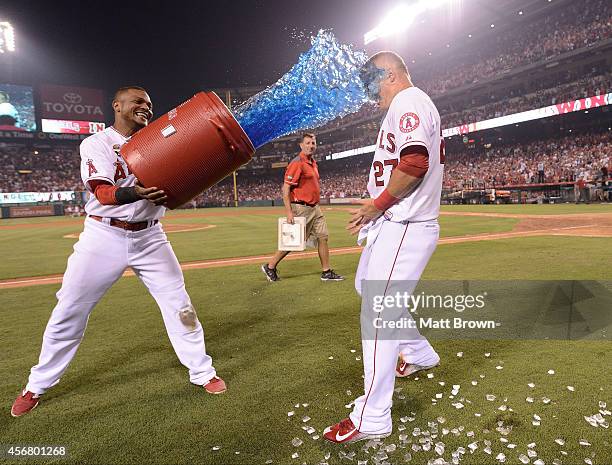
x=322, y=86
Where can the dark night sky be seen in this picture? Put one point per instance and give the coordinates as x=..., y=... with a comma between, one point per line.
x=173, y=48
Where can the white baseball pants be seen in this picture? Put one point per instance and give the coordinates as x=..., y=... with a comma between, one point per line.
x=99, y=259
x=399, y=252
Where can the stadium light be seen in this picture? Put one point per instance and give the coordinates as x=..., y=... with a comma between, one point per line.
x=7, y=37
x=400, y=18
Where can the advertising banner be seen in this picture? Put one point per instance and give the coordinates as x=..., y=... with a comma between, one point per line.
x=59, y=126
x=35, y=197
x=71, y=103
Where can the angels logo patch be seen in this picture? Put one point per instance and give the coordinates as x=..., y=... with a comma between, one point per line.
x=409, y=122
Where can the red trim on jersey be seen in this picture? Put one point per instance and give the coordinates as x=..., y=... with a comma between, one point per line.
x=414, y=163
x=104, y=192
x=376, y=335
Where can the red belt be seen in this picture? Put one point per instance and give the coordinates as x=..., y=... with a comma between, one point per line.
x=138, y=226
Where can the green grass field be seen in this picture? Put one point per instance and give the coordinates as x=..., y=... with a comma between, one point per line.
x=126, y=399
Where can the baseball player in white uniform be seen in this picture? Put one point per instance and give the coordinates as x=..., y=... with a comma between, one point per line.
x=121, y=230
x=400, y=224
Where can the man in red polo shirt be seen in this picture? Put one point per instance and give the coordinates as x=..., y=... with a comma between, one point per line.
x=301, y=195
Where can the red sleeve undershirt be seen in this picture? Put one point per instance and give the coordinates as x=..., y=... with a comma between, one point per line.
x=414, y=160
x=104, y=191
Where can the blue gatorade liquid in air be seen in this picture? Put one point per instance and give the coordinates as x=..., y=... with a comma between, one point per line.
x=322, y=86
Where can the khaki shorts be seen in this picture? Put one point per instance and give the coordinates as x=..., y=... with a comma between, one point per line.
x=315, y=221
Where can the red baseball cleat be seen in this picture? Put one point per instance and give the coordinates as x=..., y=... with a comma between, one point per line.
x=215, y=386
x=25, y=402
x=345, y=432
x=404, y=369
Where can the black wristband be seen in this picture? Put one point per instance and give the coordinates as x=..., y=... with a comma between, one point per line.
x=125, y=195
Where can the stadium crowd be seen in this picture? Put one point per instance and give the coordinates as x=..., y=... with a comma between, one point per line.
x=27, y=170
x=568, y=159
x=578, y=25
x=543, y=161
x=598, y=85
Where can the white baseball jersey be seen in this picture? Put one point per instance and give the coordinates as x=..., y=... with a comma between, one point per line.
x=101, y=160
x=412, y=120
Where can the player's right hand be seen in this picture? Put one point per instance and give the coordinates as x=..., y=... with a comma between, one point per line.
x=290, y=219
x=152, y=194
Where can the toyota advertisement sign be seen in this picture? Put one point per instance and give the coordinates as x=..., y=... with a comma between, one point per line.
x=71, y=103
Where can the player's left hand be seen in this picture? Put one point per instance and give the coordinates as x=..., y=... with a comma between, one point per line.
x=362, y=216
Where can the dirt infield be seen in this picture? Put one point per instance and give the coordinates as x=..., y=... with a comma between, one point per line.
x=581, y=224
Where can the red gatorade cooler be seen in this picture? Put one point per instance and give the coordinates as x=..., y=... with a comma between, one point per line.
x=189, y=149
